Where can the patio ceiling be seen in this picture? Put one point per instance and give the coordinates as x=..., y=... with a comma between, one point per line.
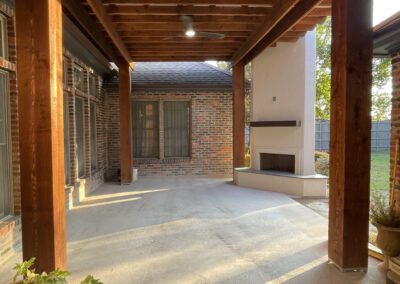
x=153, y=31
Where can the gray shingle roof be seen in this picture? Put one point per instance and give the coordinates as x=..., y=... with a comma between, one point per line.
x=179, y=76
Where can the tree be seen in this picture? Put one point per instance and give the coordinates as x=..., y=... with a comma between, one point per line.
x=323, y=74
x=381, y=99
x=381, y=69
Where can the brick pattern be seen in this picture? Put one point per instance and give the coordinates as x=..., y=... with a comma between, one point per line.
x=211, y=136
x=10, y=238
x=10, y=230
x=395, y=130
x=15, y=158
x=91, y=179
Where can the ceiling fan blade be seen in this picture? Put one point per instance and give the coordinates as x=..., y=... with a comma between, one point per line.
x=187, y=21
x=211, y=35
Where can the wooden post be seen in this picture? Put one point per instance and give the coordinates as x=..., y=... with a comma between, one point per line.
x=350, y=144
x=125, y=121
x=238, y=83
x=40, y=104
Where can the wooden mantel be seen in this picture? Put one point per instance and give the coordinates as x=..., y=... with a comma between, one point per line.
x=276, y=123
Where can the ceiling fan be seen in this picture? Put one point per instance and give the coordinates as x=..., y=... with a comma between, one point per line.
x=190, y=31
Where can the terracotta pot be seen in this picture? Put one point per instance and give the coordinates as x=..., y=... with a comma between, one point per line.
x=388, y=240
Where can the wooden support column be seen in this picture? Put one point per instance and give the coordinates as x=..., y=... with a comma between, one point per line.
x=238, y=83
x=350, y=144
x=40, y=105
x=125, y=121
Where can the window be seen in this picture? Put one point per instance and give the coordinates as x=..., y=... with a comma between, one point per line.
x=66, y=141
x=92, y=85
x=93, y=148
x=78, y=77
x=177, y=129
x=3, y=37
x=145, y=129
x=5, y=180
x=174, y=121
x=80, y=136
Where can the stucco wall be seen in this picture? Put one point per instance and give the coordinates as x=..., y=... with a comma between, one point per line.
x=284, y=89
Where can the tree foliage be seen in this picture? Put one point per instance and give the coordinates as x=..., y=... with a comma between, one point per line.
x=322, y=101
x=381, y=69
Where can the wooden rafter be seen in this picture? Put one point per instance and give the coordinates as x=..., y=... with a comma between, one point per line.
x=194, y=2
x=156, y=27
x=101, y=14
x=277, y=13
x=80, y=16
x=287, y=23
x=186, y=10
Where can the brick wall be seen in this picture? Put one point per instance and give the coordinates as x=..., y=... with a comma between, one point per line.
x=395, y=131
x=10, y=230
x=211, y=128
x=81, y=186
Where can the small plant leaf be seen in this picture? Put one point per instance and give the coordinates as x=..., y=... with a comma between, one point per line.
x=90, y=280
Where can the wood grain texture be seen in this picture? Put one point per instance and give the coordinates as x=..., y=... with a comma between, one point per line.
x=291, y=21
x=92, y=30
x=40, y=105
x=125, y=121
x=245, y=24
x=277, y=13
x=238, y=83
x=105, y=20
x=278, y=123
x=350, y=144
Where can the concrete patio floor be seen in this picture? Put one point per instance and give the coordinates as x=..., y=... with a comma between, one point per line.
x=200, y=230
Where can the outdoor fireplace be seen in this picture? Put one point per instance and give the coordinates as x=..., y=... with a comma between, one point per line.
x=277, y=162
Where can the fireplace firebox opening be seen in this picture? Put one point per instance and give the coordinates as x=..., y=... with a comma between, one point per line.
x=277, y=162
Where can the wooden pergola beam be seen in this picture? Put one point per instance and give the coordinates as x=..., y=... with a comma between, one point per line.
x=187, y=10
x=210, y=27
x=41, y=136
x=167, y=34
x=125, y=121
x=350, y=142
x=178, y=58
x=197, y=19
x=90, y=27
x=261, y=3
x=101, y=14
x=292, y=18
x=238, y=93
x=277, y=13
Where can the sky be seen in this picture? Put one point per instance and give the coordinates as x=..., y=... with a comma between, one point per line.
x=383, y=9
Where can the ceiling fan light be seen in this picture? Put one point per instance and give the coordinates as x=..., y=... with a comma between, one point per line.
x=190, y=33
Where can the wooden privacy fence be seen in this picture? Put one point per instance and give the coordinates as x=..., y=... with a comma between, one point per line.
x=380, y=136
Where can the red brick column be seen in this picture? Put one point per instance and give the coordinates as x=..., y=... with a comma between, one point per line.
x=395, y=130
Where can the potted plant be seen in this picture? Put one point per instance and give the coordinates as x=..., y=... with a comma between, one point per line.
x=387, y=221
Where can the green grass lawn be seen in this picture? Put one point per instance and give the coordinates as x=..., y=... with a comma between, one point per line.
x=380, y=171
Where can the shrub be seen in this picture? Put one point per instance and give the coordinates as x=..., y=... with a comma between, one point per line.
x=57, y=276
x=382, y=213
x=322, y=163
x=247, y=160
